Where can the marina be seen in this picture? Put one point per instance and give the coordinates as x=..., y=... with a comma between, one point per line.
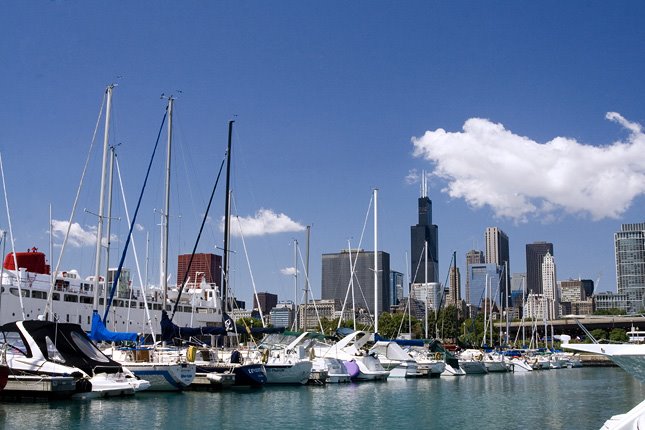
x=307, y=215
x=572, y=399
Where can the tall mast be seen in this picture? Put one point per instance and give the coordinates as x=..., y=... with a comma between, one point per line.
x=508, y=322
x=427, y=289
x=295, y=283
x=376, y=260
x=99, y=227
x=307, y=277
x=163, y=264
x=109, y=225
x=227, y=214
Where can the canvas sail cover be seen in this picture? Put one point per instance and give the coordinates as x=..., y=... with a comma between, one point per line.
x=100, y=333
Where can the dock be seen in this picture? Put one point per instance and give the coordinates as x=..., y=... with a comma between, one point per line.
x=21, y=387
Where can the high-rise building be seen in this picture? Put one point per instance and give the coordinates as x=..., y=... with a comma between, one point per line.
x=336, y=278
x=550, y=287
x=475, y=257
x=430, y=293
x=454, y=288
x=535, y=253
x=396, y=287
x=282, y=314
x=497, y=252
x=588, y=286
x=518, y=282
x=265, y=302
x=208, y=266
x=629, y=245
x=421, y=233
x=484, y=280
x=472, y=257
x=572, y=290
x=518, y=289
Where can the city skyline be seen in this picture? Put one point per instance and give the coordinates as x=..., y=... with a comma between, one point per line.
x=523, y=116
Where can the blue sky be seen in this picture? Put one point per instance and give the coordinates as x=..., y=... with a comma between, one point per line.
x=504, y=104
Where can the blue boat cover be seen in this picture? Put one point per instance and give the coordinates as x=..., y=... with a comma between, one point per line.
x=100, y=333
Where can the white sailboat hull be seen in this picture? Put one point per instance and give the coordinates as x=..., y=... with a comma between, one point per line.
x=164, y=376
x=288, y=373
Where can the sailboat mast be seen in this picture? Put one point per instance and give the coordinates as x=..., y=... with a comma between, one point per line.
x=427, y=290
x=508, y=322
x=99, y=227
x=163, y=264
x=295, y=283
x=307, y=277
x=108, y=225
x=376, y=260
x=227, y=214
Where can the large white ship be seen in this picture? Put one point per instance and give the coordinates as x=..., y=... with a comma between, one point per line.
x=72, y=299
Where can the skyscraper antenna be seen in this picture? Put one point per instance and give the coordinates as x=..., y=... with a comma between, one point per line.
x=424, y=184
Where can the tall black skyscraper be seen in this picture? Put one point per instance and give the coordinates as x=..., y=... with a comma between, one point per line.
x=423, y=232
x=535, y=253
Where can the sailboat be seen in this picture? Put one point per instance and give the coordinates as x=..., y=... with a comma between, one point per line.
x=31, y=285
x=50, y=349
x=211, y=363
x=165, y=370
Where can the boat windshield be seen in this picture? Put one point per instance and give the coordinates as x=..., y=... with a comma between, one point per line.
x=52, y=352
x=88, y=348
x=13, y=341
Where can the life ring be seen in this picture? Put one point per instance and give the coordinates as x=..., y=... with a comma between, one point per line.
x=191, y=352
x=437, y=356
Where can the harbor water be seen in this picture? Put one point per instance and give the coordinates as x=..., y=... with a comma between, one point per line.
x=581, y=398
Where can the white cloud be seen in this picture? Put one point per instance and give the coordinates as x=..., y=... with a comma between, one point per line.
x=264, y=222
x=77, y=235
x=487, y=165
x=412, y=177
x=288, y=271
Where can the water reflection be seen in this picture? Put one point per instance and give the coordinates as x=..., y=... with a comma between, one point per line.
x=557, y=399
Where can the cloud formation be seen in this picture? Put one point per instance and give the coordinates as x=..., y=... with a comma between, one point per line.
x=78, y=236
x=288, y=271
x=518, y=178
x=264, y=222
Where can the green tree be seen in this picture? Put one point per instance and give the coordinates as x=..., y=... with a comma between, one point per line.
x=612, y=311
x=618, y=335
x=597, y=334
x=449, y=323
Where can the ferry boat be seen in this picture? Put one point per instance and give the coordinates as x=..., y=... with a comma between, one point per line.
x=72, y=298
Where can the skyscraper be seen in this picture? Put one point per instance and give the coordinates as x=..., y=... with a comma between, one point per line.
x=497, y=252
x=535, y=253
x=336, y=278
x=454, y=288
x=421, y=233
x=265, y=302
x=483, y=279
x=629, y=245
x=550, y=287
x=208, y=266
x=396, y=287
x=472, y=257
